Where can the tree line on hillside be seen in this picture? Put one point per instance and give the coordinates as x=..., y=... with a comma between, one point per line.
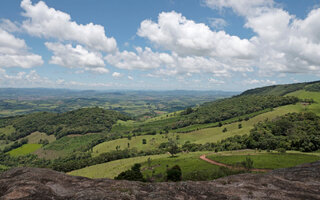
x=313, y=88
x=79, y=121
x=281, y=90
x=294, y=131
x=229, y=108
x=74, y=161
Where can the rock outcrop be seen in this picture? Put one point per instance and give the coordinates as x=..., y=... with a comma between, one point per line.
x=301, y=182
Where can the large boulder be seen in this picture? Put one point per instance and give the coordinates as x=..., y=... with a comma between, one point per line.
x=301, y=182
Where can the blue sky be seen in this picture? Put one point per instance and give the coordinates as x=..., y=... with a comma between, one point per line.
x=229, y=45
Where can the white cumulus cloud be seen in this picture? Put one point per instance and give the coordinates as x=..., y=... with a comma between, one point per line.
x=143, y=59
x=283, y=42
x=215, y=81
x=241, y=7
x=23, y=79
x=176, y=33
x=46, y=22
x=116, y=75
x=14, y=52
x=217, y=23
x=76, y=57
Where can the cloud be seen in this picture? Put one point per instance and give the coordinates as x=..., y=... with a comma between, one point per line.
x=116, y=75
x=46, y=22
x=76, y=84
x=217, y=23
x=185, y=37
x=9, y=26
x=215, y=81
x=33, y=79
x=143, y=59
x=283, y=42
x=130, y=78
x=76, y=57
x=287, y=44
x=259, y=82
x=14, y=52
x=166, y=64
x=23, y=79
x=241, y=7
x=97, y=70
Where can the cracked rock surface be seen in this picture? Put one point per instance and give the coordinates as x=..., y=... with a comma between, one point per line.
x=301, y=182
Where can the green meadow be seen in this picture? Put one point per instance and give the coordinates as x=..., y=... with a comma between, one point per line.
x=113, y=168
x=25, y=149
x=264, y=160
x=201, y=136
x=302, y=94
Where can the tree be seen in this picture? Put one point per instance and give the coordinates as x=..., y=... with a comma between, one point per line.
x=134, y=174
x=187, y=111
x=149, y=162
x=144, y=141
x=224, y=130
x=172, y=148
x=220, y=124
x=248, y=163
x=174, y=174
x=240, y=126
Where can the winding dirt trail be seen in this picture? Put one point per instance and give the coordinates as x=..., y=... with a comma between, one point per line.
x=203, y=157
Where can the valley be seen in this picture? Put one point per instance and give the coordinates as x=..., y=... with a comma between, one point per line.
x=98, y=143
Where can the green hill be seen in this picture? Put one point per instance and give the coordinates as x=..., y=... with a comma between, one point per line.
x=81, y=121
x=281, y=90
x=274, y=117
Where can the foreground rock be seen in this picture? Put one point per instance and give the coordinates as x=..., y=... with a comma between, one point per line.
x=302, y=182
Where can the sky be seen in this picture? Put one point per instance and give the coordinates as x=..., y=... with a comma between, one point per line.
x=230, y=45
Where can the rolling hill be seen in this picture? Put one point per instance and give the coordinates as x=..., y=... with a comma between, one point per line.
x=85, y=138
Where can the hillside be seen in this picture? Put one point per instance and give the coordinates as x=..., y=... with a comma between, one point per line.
x=141, y=104
x=301, y=182
x=80, y=121
x=90, y=137
x=281, y=90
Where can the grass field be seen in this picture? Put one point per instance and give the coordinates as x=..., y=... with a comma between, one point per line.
x=191, y=163
x=35, y=137
x=200, y=136
x=3, y=168
x=72, y=143
x=302, y=94
x=188, y=162
x=113, y=168
x=25, y=149
x=7, y=130
x=264, y=160
x=66, y=146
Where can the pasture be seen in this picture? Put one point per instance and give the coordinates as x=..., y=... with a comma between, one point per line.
x=25, y=149
x=265, y=160
x=201, y=136
x=302, y=94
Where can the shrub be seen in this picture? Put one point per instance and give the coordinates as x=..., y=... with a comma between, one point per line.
x=281, y=150
x=134, y=174
x=174, y=174
x=248, y=163
x=144, y=141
